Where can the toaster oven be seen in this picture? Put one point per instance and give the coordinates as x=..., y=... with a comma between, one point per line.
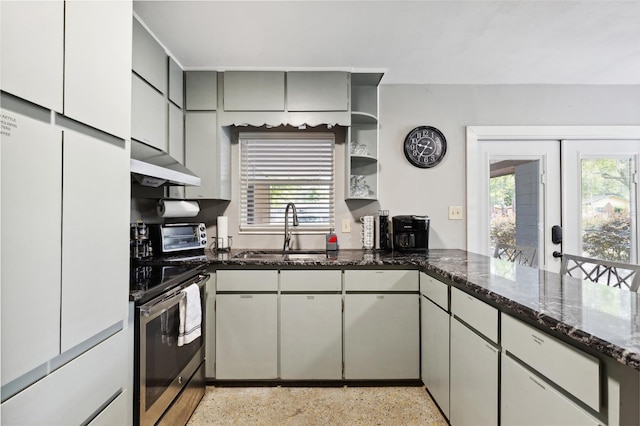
x=174, y=238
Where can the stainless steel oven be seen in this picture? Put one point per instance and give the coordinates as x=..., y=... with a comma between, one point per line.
x=164, y=370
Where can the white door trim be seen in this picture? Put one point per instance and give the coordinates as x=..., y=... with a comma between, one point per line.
x=480, y=133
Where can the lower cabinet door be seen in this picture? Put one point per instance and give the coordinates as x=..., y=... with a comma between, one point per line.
x=474, y=378
x=311, y=336
x=381, y=336
x=529, y=400
x=435, y=353
x=246, y=336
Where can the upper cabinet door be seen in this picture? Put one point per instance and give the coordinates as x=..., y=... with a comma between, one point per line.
x=148, y=114
x=97, y=66
x=202, y=90
x=317, y=91
x=149, y=58
x=176, y=83
x=254, y=91
x=31, y=47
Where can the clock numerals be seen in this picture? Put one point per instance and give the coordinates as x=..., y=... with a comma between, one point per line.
x=425, y=146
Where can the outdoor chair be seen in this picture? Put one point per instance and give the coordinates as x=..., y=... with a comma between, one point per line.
x=613, y=274
x=516, y=254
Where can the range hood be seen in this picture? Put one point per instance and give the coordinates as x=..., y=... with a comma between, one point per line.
x=152, y=167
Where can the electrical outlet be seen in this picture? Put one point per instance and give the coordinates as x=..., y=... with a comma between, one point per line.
x=346, y=226
x=455, y=212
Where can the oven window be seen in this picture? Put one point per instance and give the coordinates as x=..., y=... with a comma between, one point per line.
x=164, y=358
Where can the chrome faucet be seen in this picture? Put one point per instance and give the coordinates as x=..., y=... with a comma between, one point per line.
x=287, y=232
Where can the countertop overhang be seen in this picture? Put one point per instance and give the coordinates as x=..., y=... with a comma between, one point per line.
x=596, y=317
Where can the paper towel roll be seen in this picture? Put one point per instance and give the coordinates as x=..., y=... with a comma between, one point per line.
x=178, y=208
x=222, y=230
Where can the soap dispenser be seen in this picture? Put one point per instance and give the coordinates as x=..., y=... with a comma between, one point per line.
x=332, y=241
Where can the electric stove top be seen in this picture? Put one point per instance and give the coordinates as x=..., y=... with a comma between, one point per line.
x=147, y=281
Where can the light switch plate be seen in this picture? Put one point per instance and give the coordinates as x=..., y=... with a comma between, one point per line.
x=455, y=212
x=346, y=226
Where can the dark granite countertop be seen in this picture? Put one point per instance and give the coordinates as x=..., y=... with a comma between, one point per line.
x=605, y=320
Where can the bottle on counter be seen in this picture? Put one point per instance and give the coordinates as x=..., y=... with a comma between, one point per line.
x=332, y=241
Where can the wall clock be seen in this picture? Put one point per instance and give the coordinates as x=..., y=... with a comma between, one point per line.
x=425, y=147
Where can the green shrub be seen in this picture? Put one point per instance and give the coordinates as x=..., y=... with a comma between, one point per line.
x=503, y=230
x=607, y=238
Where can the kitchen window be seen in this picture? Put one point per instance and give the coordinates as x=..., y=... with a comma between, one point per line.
x=281, y=168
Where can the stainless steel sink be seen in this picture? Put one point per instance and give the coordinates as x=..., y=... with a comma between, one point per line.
x=279, y=255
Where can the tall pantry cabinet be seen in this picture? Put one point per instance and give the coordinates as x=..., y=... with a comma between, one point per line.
x=65, y=183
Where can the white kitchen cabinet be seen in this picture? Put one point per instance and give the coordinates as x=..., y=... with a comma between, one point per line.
x=435, y=352
x=149, y=59
x=474, y=378
x=95, y=236
x=31, y=217
x=176, y=144
x=317, y=91
x=210, y=327
x=381, y=336
x=362, y=147
x=254, y=91
x=148, y=114
x=97, y=64
x=311, y=325
x=475, y=313
x=527, y=399
x=246, y=336
x=176, y=83
x=32, y=51
x=207, y=156
x=201, y=90
x=381, y=280
x=77, y=391
x=311, y=336
x=569, y=368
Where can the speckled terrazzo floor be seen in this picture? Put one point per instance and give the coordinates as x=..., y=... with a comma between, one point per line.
x=317, y=406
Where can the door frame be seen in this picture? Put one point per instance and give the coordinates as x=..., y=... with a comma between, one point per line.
x=475, y=134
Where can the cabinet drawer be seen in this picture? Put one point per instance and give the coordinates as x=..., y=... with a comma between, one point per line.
x=435, y=290
x=381, y=280
x=524, y=394
x=72, y=393
x=247, y=280
x=571, y=369
x=479, y=315
x=310, y=280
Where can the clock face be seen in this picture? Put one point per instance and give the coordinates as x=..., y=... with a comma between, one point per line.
x=425, y=146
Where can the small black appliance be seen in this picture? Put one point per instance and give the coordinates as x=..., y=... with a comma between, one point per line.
x=411, y=233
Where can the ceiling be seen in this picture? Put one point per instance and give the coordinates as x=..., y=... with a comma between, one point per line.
x=412, y=42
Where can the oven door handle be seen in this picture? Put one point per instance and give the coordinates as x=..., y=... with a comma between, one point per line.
x=173, y=298
x=162, y=305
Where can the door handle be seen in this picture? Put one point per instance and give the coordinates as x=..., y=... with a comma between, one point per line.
x=556, y=234
x=557, y=254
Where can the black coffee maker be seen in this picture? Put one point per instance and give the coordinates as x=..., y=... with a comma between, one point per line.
x=411, y=233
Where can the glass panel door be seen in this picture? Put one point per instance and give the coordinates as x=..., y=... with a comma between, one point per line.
x=519, y=192
x=600, y=199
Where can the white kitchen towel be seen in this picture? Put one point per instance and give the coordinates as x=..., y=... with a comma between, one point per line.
x=190, y=315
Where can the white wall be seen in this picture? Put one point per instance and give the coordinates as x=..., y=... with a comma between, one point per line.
x=405, y=189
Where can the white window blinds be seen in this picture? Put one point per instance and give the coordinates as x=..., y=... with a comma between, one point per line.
x=281, y=168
